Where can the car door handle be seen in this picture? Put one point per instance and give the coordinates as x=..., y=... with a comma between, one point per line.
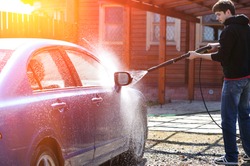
x=97, y=100
x=59, y=106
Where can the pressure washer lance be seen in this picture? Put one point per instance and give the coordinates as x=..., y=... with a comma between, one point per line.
x=137, y=75
x=171, y=61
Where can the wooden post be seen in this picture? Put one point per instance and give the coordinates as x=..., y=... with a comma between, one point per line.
x=127, y=36
x=191, y=66
x=162, y=58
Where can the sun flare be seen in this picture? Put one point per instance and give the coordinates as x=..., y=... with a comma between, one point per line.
x=15, y=6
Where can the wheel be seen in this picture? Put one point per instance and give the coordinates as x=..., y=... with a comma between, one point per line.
x=44, y=156
x=138, y=137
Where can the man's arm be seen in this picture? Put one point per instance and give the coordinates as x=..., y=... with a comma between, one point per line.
x=214, y=48
x=194, y=55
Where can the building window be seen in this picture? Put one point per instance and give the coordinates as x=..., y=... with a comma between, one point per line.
x=153, y=30
x=209, y=30
x=111, y=24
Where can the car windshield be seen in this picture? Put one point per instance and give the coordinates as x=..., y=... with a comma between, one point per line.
x=4, y=57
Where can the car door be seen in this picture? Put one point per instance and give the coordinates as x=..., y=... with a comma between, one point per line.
x=104, y=101
x=68, y=117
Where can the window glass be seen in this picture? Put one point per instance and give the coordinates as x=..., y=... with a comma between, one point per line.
x=112, y=25
x=46, y=70
x=171, y=33
x=211, y=28
x=113, y=15
x=170, y=28
x=208, y=34
x=153, y=30
x=90, y=71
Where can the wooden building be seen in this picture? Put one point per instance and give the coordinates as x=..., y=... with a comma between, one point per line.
x=136, y=35
x=144, y=33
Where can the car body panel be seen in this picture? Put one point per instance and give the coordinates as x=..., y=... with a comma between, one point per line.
x=81, y=116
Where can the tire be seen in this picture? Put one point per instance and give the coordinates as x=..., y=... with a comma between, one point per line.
x=44, y=156
x=138, y=141
x=138, y=137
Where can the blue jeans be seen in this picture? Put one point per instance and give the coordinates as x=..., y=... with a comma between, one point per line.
x=235, y=104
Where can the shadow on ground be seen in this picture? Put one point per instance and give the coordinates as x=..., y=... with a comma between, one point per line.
x=178, y=148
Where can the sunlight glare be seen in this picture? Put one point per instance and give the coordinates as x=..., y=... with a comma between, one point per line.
x=15, y=6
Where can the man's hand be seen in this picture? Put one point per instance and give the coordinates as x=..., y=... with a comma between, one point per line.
x=193, y=55
x=214, y=47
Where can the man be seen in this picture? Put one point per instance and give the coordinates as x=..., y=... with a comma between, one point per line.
x=234, y=56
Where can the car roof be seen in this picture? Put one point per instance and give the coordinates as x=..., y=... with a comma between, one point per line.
x=15, y=43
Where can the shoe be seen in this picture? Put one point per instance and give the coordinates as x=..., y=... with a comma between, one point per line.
x=223, y=161
x=246, y=157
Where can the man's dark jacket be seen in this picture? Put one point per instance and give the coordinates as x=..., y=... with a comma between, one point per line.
x=234, y=52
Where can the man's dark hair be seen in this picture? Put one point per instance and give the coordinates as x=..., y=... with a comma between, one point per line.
x=224, y=5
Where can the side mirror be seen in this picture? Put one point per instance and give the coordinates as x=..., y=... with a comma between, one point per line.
x=122, y=78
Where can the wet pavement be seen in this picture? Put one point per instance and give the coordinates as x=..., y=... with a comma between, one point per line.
x=185, y=116
x=190, y=135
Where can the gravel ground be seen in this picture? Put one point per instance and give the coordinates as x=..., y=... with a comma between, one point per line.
x=184, y=149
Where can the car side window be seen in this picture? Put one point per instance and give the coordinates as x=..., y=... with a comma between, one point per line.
x=46, y=70
x=90, y=71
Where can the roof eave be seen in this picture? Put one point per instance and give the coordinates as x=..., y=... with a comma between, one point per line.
x=156, y=9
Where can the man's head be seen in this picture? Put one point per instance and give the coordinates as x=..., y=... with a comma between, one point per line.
x=223, y=9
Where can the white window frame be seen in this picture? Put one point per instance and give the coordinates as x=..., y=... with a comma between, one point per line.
x=102, y=25
x=150, y=32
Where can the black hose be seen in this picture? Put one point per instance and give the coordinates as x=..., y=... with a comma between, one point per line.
x=202, y=96
x=204, y=102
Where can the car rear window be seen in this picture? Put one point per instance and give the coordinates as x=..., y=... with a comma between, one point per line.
x=47, y=70
x=4, y=57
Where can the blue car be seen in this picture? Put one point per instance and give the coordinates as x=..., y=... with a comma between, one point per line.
x=59, y=105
